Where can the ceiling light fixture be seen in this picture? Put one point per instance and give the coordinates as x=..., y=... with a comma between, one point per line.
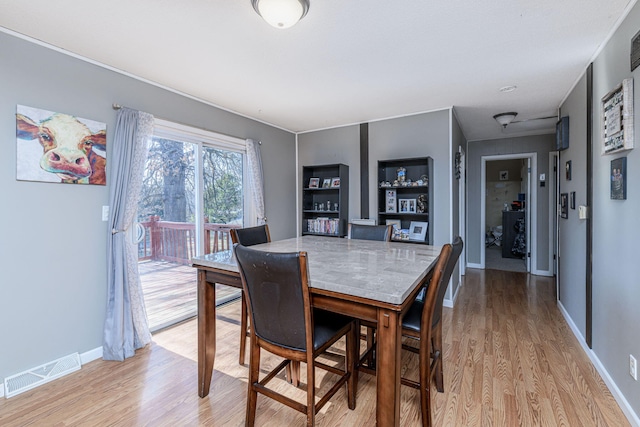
x=281, y=13
x=505, y=118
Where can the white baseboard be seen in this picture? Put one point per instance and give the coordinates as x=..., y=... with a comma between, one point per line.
x=472, y=265
x=2, y=389
x=542, y=273
x=451, y=302
x=628, y=411
x=91, y=355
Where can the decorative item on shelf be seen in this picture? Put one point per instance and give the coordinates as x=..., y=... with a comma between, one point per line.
x=407, y=205
x=402, y=174
x=400, y=234
x=314, y=182
x=395, y=183
x=418, y=230
x=335, y=206
x=315, y=206
x=326, y=183
x=422, y=203
x=424, y=180
x=390, y=201
x=328, y=205
x=395, y=223
x=323, y=226
x=335, y=182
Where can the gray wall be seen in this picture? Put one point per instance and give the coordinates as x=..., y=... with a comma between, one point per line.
x=540, y=144
x=53, y=245
x=416, y=136
x=332, y=146
x=572, y=237
x=413, y=136
x=616, y=229
x=458, y=140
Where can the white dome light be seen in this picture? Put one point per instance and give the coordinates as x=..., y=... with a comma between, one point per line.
x=281, y=13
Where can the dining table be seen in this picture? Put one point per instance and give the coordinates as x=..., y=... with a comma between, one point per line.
x=369, y=280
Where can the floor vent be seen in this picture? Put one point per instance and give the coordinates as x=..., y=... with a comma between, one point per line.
x=42, y=374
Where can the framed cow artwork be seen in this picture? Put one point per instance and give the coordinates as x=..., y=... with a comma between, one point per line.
x=57, y=147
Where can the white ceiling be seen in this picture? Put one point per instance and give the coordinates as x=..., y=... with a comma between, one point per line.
x=347, y=61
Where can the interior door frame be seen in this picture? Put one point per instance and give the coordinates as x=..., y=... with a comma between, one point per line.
x=531, y=202
x=462, y=209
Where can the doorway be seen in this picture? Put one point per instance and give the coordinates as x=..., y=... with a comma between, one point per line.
x=508, y=212
x=192, y=196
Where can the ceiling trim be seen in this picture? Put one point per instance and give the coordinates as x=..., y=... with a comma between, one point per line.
x=133, y=76
x=602, y=45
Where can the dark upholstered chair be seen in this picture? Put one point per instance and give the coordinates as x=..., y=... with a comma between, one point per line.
x=248, y=237
x=284, y=323
x=423, y=322
x=381, y=233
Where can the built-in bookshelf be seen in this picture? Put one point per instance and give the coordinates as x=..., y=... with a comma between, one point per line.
x=405, y=198
x=325, y=200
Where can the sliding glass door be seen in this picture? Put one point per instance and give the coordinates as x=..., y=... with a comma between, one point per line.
x=192, y=195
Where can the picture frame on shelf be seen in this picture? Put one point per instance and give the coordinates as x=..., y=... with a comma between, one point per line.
x=314, y=183
x=395, y=223
x=335, y=182
x=407, y=205
x=326, y=183
x=390, y=201
x=412, y=205
x=418, y=230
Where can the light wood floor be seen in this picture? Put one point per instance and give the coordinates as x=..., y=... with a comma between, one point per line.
x=170, y=292
x=509, y=360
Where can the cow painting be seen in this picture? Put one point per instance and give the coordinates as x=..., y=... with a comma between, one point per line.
x=55, y=147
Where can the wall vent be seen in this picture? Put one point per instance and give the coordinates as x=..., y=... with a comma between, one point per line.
x=42, y=374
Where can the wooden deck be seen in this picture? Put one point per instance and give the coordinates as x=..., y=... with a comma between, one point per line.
x=170, y=292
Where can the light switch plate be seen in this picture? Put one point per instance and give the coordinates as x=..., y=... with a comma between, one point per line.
x=105, y=213
x=583, y=212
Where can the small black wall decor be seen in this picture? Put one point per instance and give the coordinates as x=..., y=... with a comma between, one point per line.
x=619, y=179
x=567, y=168
x=564, y=205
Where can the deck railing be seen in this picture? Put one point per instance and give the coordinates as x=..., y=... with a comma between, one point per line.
x=176, y=241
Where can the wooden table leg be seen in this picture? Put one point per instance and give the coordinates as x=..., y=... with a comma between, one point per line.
x=206, y=332
x=388, y=344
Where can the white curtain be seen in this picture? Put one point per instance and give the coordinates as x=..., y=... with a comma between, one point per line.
x=256, y=181
x=126, y=328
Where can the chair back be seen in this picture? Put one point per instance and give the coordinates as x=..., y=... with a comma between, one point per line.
x=381, y=233
x=277, y=291
x=251, y=235
x=431, y=297
x=456, y=250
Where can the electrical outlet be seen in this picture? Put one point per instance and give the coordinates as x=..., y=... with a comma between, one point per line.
x=633, y=371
